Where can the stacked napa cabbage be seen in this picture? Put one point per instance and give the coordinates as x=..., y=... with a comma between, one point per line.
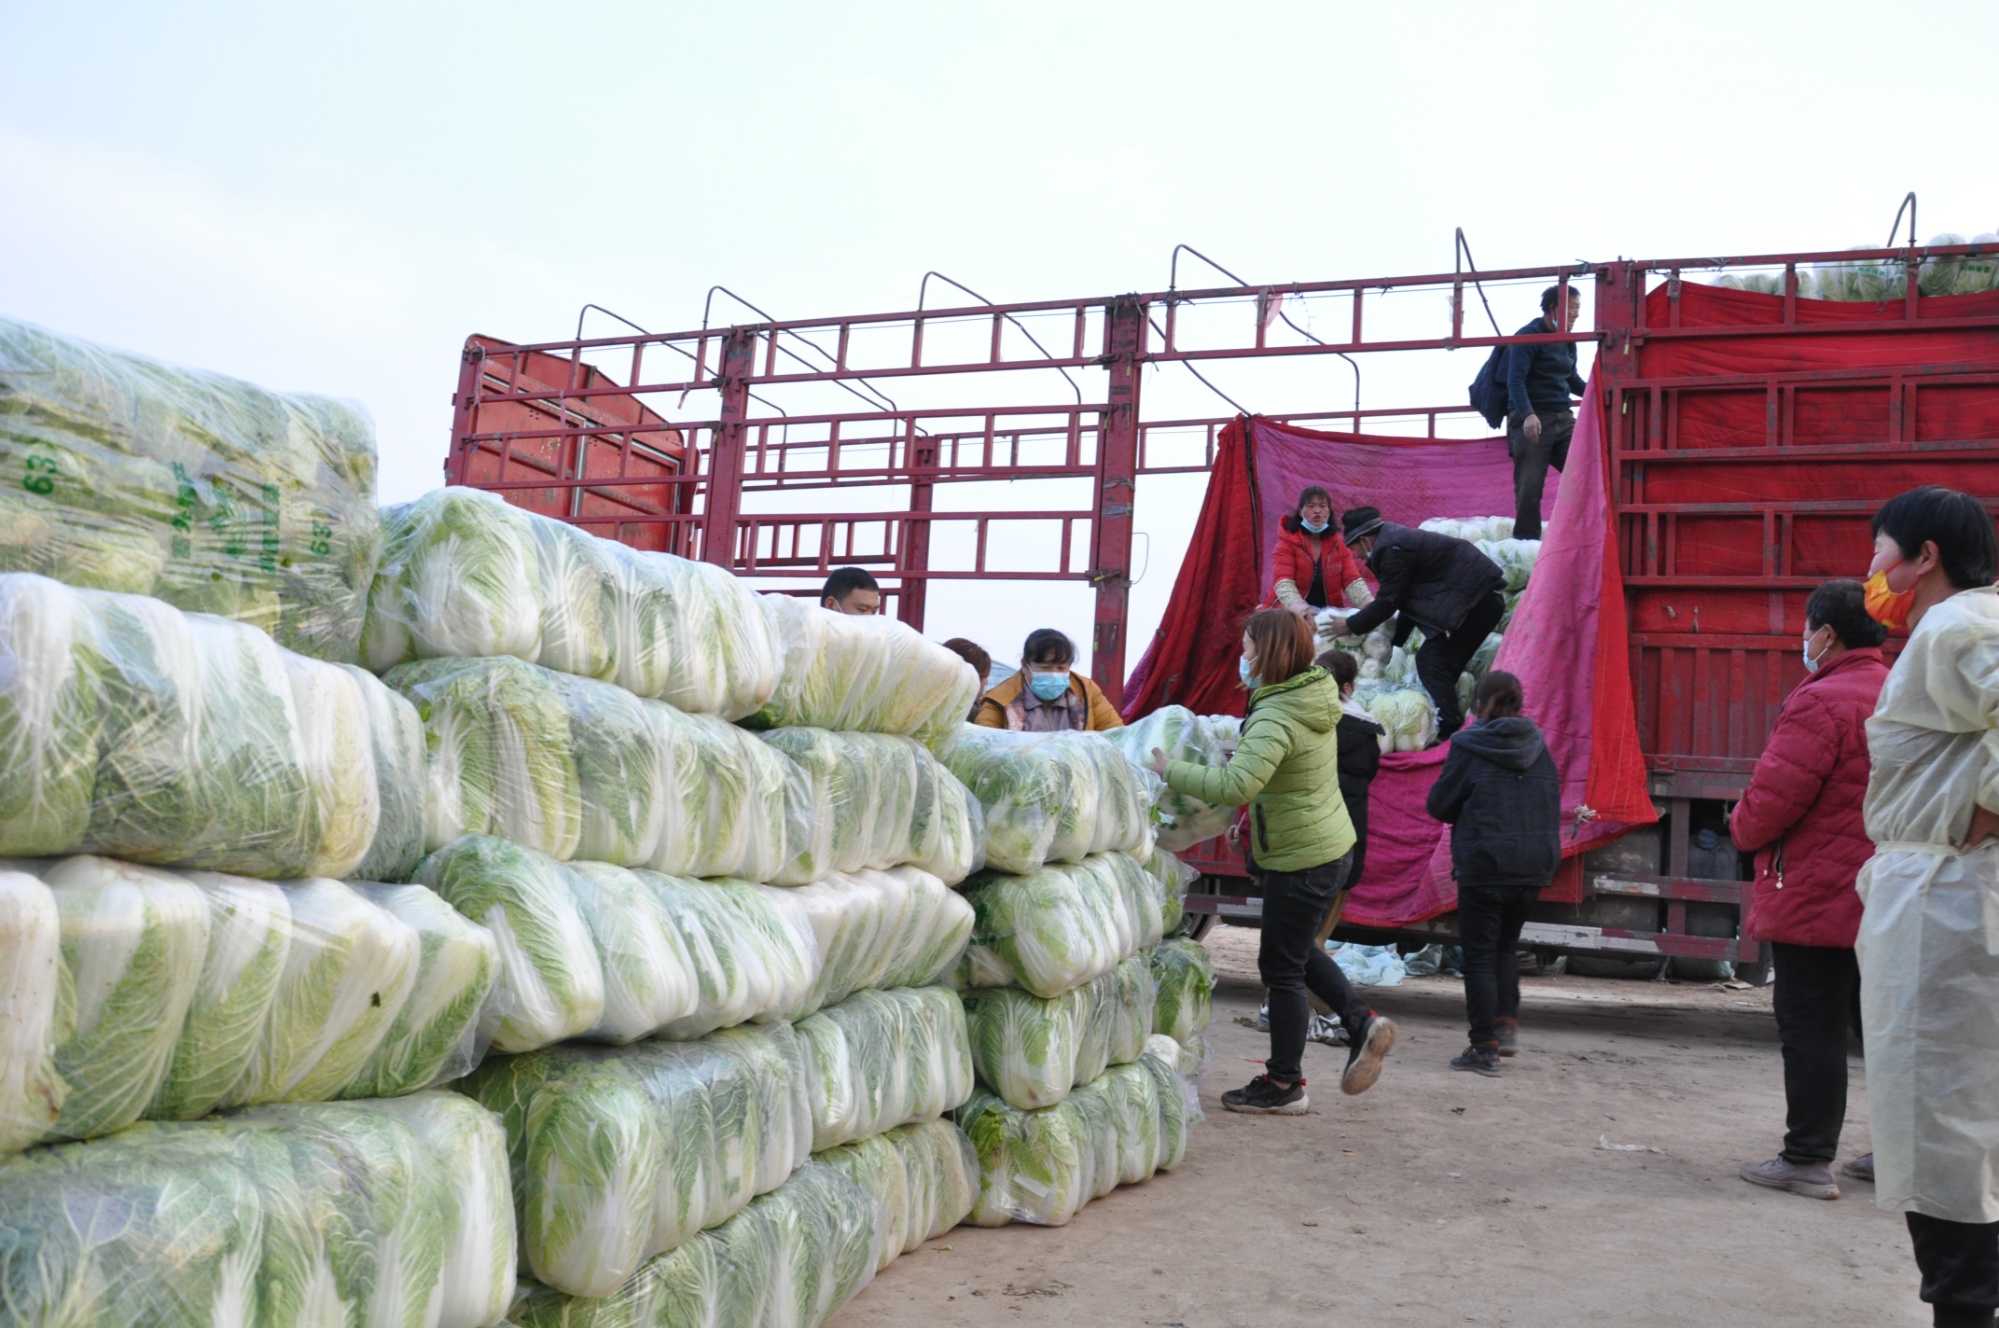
x=393, y=1215
x=879, y=801
x=924, y=1179
x=133, y=992
x=1061, y=926
x=1054, y=797
x=464, y=573
x=789, y=1260
x=1183, y=736
x=132, y=729
x=885, y=1058
x=1874, y=281
x=1043, y=1166
x=621, y=1154
x=211, y=494
x=1032, y=1051
x=863, y=674
x=1184, y=977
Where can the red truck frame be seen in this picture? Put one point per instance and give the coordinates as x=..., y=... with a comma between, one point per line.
x=600, y=431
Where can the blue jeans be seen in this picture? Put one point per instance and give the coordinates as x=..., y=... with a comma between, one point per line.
x=1291, y=961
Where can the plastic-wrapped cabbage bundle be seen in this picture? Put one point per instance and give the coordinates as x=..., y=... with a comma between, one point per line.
x=1032, y=1051
x=1183, y=736
x=863, y=674
x=885, y=1058
x=1174, y=878
x=466, y=574
x=249, y=939
x=1043, y=1166
x=898, y=928
x=395, y=735
x=879, y=801
x=649, y=979
x=31, y=1090
x=751, y=950
x=209, y=493
x=1054, y=797
x=1061, y=926
x=924, y=1178
x=734, y=806
x=132, y=729
x=1472, y=528
x=551, y=983
x=438, y=1035
x=789, y=1260
x=623, y=1153
x=1186, y=984
x=1515, y=558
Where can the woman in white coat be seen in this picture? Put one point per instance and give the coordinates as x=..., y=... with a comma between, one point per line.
x=1929, y=938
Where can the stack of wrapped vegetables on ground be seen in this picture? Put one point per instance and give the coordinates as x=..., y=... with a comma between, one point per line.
x=1388, y=688
x=442, y=916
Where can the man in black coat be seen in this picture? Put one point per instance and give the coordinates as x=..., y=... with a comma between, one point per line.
x=1539, y=420
x=1439, y=583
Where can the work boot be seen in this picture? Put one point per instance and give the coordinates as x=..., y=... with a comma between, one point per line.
x=1508, y=1033
x=1260, y=1097
x=1370, y=1046
x=1860, y=1168
x=1479, y=1060
x=1813, y=1180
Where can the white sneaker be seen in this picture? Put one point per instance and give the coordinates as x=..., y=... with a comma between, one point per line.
x=1326, y=1028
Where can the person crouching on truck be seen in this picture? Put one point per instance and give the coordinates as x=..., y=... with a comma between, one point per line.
x=1501, y=795
x=1047, y=695
x=1801, y=816
x=1312, y=568
x=1286, y=767
x=1439, y=583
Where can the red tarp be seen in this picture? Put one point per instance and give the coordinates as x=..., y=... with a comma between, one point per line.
x=1570, y=655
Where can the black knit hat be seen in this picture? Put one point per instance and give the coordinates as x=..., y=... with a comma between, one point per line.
x=1359, y=523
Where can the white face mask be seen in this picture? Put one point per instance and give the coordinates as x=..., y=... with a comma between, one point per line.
x=1812, y=665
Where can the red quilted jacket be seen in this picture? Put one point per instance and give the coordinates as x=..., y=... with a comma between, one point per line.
x=1292, y=560
x=1801, y=815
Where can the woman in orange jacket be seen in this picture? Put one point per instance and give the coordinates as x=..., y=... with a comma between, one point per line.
x=1047, y=695
x=1312, y=568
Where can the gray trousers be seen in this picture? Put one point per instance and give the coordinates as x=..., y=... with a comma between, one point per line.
x=1531, y=462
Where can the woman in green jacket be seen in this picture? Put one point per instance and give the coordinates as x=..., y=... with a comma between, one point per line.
x=1286, y=767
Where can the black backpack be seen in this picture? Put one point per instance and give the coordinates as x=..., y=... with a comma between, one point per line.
x=1488, y=390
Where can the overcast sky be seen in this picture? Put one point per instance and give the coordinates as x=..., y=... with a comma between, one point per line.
x=332, y=197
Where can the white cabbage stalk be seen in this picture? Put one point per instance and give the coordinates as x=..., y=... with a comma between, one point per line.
x=31, y=1092
x=1061, y=926
x=863, y=674
x=338, y=753
x=395, y=734
x=437, y=1036
x=885, y=1058
x=249, y=938
x=924, y=1178
x=649, y=977
x=899, y=928
x=1054, y=797
x=478, y=1277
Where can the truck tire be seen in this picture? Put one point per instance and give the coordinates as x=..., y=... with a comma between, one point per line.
x=1198, y=925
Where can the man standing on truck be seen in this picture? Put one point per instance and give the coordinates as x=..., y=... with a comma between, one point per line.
x=851, y=590
x=1539, y=420
x=1439, y=583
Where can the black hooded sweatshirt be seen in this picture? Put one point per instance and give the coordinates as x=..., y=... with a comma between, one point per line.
x=1500, y=791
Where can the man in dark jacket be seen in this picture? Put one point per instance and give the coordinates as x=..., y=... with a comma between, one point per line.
x=1539, y=421
x=1501, y=794
x=1439, y=583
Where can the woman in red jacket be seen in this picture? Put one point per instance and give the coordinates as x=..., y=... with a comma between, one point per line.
x=1801, y=816
x=1312, y=568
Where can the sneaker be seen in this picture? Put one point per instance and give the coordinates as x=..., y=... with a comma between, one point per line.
x=1813, y=1180
x=1365, y=1054
x=1479, y=1060
x=1326, y=1028
x=1260, y=1097
x=1263, y=1019
x=1860, y=1168
x=1508, y=1032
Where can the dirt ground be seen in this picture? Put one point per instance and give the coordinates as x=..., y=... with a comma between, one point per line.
x=1446, y=1198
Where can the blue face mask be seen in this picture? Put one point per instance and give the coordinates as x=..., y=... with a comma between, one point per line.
x=1242, y=668
x=1314, y=527
x=1048, y=686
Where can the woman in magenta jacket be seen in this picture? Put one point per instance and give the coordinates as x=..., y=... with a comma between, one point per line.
x=1801, y=816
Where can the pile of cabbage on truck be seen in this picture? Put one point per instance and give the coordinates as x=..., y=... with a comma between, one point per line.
x=442, y=916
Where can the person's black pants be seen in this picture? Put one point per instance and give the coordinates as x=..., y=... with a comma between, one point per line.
x=1531, y=462
x=1817, y=998
x=1290, y=960
x=1489, y=921
x=1442, y=660
x=1353, y=792
x=1960, y=1267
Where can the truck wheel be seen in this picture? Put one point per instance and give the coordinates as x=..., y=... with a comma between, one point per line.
x=1198, y=925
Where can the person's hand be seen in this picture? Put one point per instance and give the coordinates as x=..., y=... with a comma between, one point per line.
x=1157, y=762
x=1307, y=612
x=1984, y=826
x=1530, y=428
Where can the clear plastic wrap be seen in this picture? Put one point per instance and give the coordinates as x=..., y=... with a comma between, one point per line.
x=581, y=769
x=880, y=801
x=621, y=1154
x=1183, y=736
x=443, y=1028
x=132, y=729
x=209, y=493
x=1054, y=797
x=465, y=574
x=1061, y=926
x=31, y=1088
x=790, y=1259
x=898, y=928
x=351, y=1213
x=752, y=946
x=1043, y=1166
x=863, y=674
x=1174, y=878
x=880, y=1059
x=1032, y=1052
x=1185, y=978
x=924, y=1178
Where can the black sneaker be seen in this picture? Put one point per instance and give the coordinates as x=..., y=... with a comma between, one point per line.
x=1260, y=1097
x=1479, y=1060
x=1508, y=1033
x=1370, y=1046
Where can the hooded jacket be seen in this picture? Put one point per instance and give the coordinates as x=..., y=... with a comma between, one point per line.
x=1286, y=767
x=1430, y=580
x=1805, y=799
x=1500, y=792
